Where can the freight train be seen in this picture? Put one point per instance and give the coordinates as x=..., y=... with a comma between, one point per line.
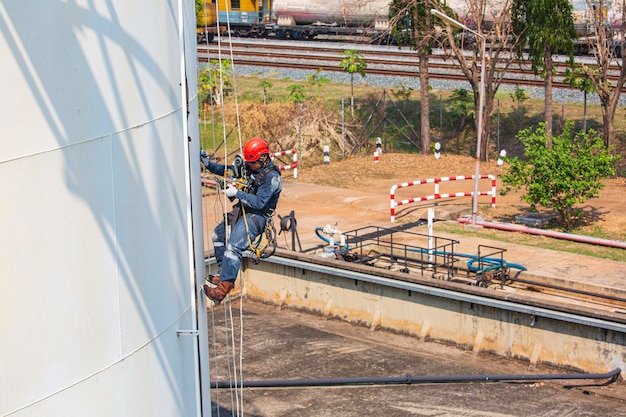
x=368, y=19
x=294, y=19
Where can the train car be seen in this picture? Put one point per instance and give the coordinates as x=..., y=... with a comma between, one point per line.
x=295, y=19
x=368, y=19
x=242, y=17
x=342, y=13
x=206, y=21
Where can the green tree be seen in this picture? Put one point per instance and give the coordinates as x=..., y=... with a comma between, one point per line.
x=519, y=97
x=563, y=175
x=213, y=82
x=462, y=106
x=265, y=84
x=316, y=80
x=353, y=63
x=461, y=113
x=547, y=27
x=577, y=78
x=296, y=93
x=518, y=115
x=402, y=92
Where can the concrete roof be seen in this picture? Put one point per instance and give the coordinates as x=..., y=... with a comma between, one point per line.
x=281, y=344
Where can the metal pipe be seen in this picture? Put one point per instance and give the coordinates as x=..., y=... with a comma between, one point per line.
x=550, y=233
x=411, y=379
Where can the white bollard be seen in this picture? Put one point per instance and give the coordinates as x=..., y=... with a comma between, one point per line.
x=437, y=150
x=431, y=218
x=376, y=156
x=379, y=146
x=326, y=154
x=500, y=160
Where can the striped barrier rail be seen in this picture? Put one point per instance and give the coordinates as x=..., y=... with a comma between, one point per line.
x=437, y=195
x=294, y=163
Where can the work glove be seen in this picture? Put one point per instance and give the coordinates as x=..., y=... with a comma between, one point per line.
x=230, y=190
x=204, y=157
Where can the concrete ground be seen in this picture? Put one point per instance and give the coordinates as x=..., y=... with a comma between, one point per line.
x=280, y=345
x=283, y=344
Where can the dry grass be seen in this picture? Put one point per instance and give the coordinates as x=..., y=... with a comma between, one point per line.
x=605, y=216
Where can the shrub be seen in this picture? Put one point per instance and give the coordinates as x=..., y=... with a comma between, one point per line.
x=561, y=176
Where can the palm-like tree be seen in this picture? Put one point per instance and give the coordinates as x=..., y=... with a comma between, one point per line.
x=353, y=63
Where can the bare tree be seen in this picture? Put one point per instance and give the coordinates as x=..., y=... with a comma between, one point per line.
x=607, y=46
x=411, y=25
x=492, y=20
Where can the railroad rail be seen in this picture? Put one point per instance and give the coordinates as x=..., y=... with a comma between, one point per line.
x=381, y=61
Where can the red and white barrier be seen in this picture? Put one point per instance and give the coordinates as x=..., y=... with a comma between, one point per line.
x=294, y=163
x=437, y=195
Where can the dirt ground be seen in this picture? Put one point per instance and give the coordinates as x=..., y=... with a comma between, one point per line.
x=604, y=217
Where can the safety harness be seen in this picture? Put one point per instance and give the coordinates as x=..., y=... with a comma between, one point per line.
x=261, y=248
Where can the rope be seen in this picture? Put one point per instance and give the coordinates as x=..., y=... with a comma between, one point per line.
x=220, y=210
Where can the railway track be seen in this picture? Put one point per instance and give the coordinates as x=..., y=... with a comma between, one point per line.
x=381, y=61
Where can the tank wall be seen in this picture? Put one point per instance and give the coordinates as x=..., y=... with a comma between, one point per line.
x=94, y=219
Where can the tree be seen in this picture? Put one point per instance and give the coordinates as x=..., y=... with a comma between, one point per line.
x=578, y=79
x=353, y=63
x=519, y=97
x=296, y=93
x=501, y=43
x=461, y=111
x=547, y=28
x=462, y=106
x=265, y=84
x=411, y=26
x=607, y=52
x=213, y=82
x=561, y=176
x=316, y=80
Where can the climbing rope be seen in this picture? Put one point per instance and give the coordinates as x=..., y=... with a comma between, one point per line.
x=234, y=365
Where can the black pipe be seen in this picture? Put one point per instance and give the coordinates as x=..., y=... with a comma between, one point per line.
x=410, y=379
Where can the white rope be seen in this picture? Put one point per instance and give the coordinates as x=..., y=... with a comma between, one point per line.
x=222, y=204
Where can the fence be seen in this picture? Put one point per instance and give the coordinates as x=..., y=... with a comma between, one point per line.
x=294, y=163
x=437, y=195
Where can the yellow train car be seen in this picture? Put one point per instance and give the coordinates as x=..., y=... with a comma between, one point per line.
x=245, y=17
x=206, y=19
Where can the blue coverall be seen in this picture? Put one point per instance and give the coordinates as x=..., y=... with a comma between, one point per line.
x=264, y=191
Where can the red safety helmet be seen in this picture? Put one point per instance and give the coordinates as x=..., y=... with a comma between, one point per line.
x=254, y=148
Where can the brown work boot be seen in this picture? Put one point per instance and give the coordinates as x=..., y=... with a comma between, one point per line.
x=218, y=293
x=213, y=279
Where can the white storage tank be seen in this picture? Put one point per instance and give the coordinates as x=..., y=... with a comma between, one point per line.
x=98, y=305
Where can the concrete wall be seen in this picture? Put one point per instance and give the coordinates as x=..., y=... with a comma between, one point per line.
x=509, y=325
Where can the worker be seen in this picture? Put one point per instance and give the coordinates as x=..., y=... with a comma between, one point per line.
x=257, y=201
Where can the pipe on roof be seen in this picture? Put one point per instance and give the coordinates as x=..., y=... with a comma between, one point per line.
x=411, y=379
x=549, y=233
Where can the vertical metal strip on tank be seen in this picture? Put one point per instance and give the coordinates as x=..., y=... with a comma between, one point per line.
x=199, y=365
